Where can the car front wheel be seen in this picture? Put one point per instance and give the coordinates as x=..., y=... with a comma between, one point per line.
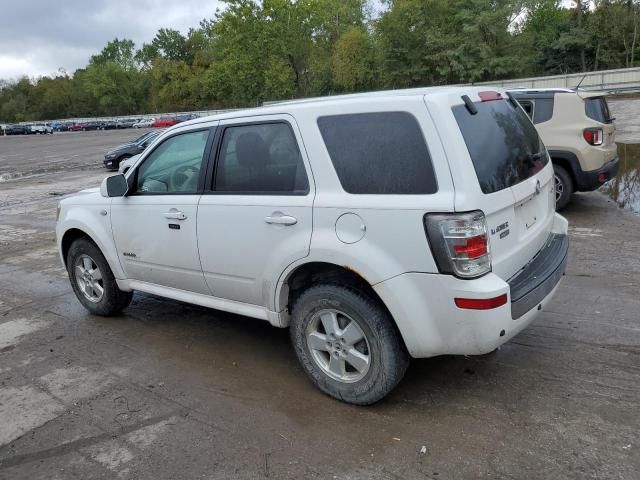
x=347, y=344
x=92, y=280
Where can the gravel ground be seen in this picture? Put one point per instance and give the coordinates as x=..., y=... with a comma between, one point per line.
x=169, y=390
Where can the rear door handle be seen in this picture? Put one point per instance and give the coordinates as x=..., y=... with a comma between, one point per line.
x=278, y=218
x=174, y=214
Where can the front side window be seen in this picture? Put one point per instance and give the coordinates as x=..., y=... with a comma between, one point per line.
x=381, y=153
x=173, y=167
x=260, y=159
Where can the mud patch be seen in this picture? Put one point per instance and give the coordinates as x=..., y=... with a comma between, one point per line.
x=9, y=233
x=148, y=436
x=76, y=383
x=23, y=409
x=11, y=332
x=111, y=455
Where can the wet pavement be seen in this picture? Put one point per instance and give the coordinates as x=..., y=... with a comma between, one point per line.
x=169, y=390
x=624, y=189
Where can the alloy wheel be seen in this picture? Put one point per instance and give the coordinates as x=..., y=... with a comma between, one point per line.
x=338, y=346
x=559, y=187
x=89, y=278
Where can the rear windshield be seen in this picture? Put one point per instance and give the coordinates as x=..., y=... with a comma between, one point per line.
x=597, y=109
x=503, y=144
x=381, y=153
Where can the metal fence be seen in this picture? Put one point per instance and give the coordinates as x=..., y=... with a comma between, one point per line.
x=619, y=80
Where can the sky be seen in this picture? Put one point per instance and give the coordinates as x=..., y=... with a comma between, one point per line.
x=38, y=37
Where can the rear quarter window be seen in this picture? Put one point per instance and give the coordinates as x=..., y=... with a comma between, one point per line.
x=503, y=144
x=597, y=109
x=381, y=153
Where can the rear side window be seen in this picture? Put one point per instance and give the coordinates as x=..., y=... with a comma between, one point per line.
x=527, y=106
x=543, y=111
x=379, y=153
x=261, y=159
x=597, y=109
x=503, y=144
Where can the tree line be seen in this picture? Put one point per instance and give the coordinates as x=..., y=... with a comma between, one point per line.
x=253, y=51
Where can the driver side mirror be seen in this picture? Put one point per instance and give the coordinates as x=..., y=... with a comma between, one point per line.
x=114, y=186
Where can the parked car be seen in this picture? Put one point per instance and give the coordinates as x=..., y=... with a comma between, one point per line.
x=428, y=227
x=164, y=122
x=59, y=126
x=579, y=133
x=17, y=130
x=185, y=118
x=41, y=128
x=144, y=122
x=108, y=125
x=125, y=123
x=113, y=157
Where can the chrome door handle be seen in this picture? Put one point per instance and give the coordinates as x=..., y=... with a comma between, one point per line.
x=278, y=218
x=175, y=215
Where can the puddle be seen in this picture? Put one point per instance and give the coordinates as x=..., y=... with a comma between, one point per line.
x=625, y=188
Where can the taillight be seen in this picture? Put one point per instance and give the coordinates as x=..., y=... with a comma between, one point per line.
x=459, y=242
x=593, y=136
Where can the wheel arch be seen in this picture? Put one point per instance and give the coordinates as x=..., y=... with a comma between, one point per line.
x=76, y=231
x=568, y=161
x=309, y=273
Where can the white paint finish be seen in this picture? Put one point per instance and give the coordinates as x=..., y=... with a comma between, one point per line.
x=240, y=308
x=23, y=409
x=162, y=255
x=245, y=262
x=242, y=255
x=75, y=383
x=350, y=228
x=12, y=331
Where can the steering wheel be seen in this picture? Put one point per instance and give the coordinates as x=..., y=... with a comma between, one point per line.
x=184, y=178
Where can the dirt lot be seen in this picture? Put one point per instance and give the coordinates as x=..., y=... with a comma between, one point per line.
x=171, y=391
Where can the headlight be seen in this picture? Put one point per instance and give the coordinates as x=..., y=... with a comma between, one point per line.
x=58, y=208
x=109, y=156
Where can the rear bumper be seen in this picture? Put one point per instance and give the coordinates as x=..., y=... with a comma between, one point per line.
x=538, y=278
x=431, y=324
x=587, y=181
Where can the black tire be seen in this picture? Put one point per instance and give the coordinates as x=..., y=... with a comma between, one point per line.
x=113, y=300
x=388, y=357
x=564, y=182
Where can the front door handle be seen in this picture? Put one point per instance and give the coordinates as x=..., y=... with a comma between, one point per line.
x=279, y=218
x=174, y=214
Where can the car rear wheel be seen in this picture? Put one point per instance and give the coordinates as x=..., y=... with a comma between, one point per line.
x=92, y=280
x=347, y=344
x=563, y=185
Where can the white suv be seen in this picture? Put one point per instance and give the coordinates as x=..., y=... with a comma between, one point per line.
x=378, y=227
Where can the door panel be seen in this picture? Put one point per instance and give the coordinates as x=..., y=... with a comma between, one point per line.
x=257, y=220
x=155, y=225
x=156, y=249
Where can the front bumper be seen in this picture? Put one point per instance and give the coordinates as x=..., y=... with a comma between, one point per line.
x=592, y=179
x=111, y=163
x=431, y=324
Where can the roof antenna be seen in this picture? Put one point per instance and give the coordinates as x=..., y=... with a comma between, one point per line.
x=580, y=83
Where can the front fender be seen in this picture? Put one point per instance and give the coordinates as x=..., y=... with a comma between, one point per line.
x=95, y=222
